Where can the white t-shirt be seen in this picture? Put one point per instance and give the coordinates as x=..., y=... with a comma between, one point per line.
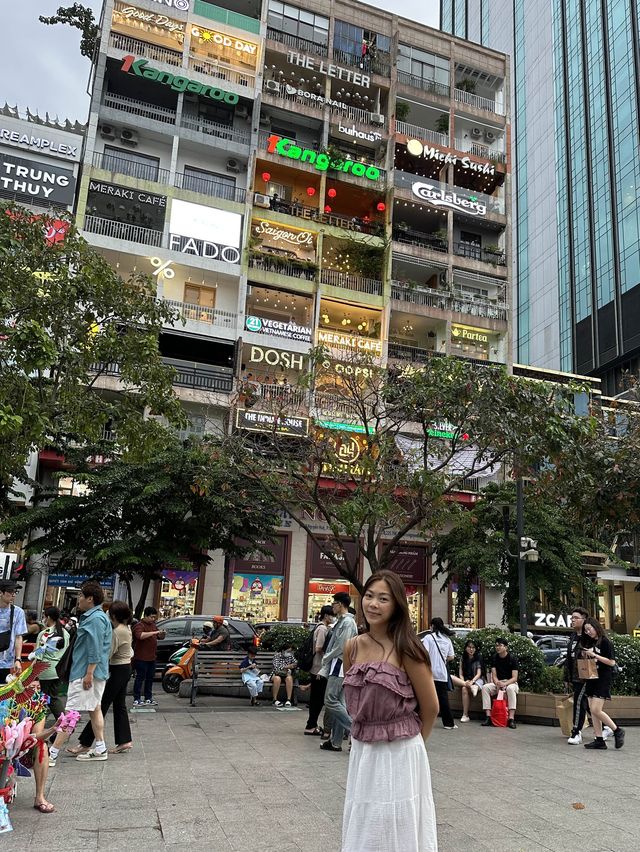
x=432, y=642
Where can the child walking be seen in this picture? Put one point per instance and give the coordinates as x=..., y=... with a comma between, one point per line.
x=389, y=803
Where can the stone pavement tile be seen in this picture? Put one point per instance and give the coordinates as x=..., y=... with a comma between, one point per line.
x=66, y=839
x=113, y=818
x=203, y=828
x=141, y=839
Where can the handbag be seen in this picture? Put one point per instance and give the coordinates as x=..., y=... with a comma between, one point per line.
x=499, y=712
x=587, y=669
x=449, y=681
x=5, y=635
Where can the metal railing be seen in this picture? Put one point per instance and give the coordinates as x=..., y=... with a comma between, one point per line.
x=423, y=133
x=131, y=168
x=483, y=151
x=190, y=374
x=202, y=313
x=477, y=101
x=353, y=223
x=369, y=64
x=445, y=301
x=283, y=266
x=122, y=231
x=333, y=405
x=143, y=48
x=360, y=116
x=211, y=187
x=351, y=282
x=417, y=354
x=302, y=45
x=430, y=86
x=274, y=397
x=212, y=68
x=474, y=252
x=416, y=238
x=212, y=128
x=135, y=107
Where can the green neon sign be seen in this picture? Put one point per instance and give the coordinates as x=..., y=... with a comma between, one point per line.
x=322, y=162
x=343, y=427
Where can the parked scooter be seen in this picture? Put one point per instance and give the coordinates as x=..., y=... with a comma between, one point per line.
x=180, y=670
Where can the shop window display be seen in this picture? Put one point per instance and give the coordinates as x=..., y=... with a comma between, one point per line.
x=256, y=597
x=468, y=617
x=321, y=594
x=178, y=595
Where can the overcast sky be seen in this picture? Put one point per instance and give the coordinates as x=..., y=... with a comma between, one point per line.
x=54, y=77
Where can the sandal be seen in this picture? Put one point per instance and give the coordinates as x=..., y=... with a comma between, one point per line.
x=120, y=749
x=77, y=749
x=315, y=732
x=44, y=807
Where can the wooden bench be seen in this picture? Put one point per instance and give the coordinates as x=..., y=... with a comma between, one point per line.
x=218, y=672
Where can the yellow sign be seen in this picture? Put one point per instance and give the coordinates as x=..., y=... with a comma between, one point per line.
x=636, y=633
x=467, y=332
x=350, y=341
x=223, y=40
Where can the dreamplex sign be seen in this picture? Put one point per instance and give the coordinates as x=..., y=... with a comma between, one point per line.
x=448, y=198
x=39, y=142
x=318, y=66
x=417, y=149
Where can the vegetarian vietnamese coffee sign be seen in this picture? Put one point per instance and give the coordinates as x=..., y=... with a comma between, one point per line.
x=288, y=148
x=176, y=82
x=28, y=179
x=276, y=328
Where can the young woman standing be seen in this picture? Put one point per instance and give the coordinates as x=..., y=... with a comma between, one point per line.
x=392, y=702
x=598, y=691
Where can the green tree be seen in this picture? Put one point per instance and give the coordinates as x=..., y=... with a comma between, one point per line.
x=478, y=544
x=138, y=518
x=81, y=18
x=420, y=434
x=78, y=346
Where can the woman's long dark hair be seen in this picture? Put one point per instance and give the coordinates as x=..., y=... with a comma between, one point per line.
x=477, y=656
x=53, y=613
x=438, y=626
x=596, y=626
x=399, y=629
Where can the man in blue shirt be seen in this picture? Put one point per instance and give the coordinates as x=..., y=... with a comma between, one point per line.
x=89, y=670
x=13, y=623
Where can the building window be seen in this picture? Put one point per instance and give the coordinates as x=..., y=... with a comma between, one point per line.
x=361, y=48
x=298, y=23
x=209, y=183
x=130, y=163
x=202, y=296
x=423, y=65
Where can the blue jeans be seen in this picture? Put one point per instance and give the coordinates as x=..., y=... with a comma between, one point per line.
x=144, y=674
x=334, y=701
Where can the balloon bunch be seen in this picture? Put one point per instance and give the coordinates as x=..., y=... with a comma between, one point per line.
x=67, y=721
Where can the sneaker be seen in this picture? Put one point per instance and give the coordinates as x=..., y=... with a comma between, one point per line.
x=329, y=746
x=618, y=736
x=137, y=703
x=93, y=755
x=287, y=704
x=606, y=733
x=596, y=744
x=451, y=728
x=151, y=702
x=487, y=723
x=52, y=762
x=465, y=719
x=576, y=739
x=511, y=724
x=277, y=703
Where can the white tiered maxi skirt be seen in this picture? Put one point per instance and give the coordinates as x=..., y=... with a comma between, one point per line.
x=389, y=804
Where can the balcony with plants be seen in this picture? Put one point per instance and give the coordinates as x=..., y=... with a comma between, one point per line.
x=478, y=91
x=364, y=49
x=418, y=231
x=428, y=124
x=478, y=246
x=415, y=338
x=282, y=251
x=353, y=266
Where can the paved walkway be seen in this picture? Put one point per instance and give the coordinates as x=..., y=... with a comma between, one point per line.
x=228, y=777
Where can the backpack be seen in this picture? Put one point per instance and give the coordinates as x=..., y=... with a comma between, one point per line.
x=306, y=652
x=63, y=666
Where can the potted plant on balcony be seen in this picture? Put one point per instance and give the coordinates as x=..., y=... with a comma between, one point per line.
x=402, y=110
x=495, y=251
x=442, y=124
x=467, y=85
x=442, y=236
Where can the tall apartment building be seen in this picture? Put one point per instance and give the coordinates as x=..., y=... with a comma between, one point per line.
x=292, y=177
x=576, y=218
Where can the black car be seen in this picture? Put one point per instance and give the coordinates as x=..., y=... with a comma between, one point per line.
x=180, y=630
x=552, y=646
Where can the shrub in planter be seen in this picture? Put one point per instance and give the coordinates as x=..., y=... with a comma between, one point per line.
x=627, y=654
x=280, y=636
x=530, y=658
x=553, y=680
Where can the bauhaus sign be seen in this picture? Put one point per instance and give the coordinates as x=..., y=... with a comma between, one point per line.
x=440, y=197
x=322, y=162
x=141, y=68
x=30, y=179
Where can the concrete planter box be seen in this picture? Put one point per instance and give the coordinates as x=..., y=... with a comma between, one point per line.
x=540, y=708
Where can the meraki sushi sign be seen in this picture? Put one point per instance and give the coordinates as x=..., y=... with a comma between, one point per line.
x=141, y=68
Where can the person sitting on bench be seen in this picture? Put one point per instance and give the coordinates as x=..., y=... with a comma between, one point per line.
x=284, y=664
x=251, y=676
x=504, y=675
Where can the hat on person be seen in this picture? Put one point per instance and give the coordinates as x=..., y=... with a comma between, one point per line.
x=208, y=624
x=9, y=586
x=218, y=619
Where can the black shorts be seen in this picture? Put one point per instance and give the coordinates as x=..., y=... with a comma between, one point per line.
x=598, y=689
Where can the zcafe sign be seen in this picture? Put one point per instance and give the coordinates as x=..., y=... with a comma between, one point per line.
x=417, y=149
x=441, y=197
x=278, y=234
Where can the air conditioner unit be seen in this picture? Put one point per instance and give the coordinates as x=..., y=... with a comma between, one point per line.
x=108, y=131
x=272, y=86
x=242, y=111
x=475, y=133
x=261, y=200
x=377, y=118
x=490, y=136
x=233, y=166
x=129, y=137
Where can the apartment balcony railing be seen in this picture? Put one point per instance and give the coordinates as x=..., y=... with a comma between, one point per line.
x=416, y=354
x=135, y=107
x=430, y=86
x=445, y=301
x=369, y=64
x=301, y=45
x=277, y=397
x=473, y=252
x=212, y=128
x=422, y=133
x=485, y=152
x=220, y=71
x=202, y=313
x=226, y=16
x=334, y=406
x=190, y=374
x=353, y=223
x=130, y=168
x=210, y=187
x=416, y=238
x=143, y=48
x=477, y=101
x=359, y=116
x=283, y=265
x=122, y=231
x=349, y=281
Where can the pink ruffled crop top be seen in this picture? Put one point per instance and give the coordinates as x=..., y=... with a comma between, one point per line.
x=381, y=702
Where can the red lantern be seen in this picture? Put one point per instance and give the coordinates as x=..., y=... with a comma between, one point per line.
x=311, y=191
x=331, y=193
x=327, y=209
x=266, y=177
x=381, y=206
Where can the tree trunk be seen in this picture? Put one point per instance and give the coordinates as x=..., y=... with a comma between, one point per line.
x=146, y=582
x=127, y=583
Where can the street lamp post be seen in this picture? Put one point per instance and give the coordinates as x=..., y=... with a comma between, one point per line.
x=522, y=576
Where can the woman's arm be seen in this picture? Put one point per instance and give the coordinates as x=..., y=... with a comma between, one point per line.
x=423, y=686
x=602, y=658
x=346, y=655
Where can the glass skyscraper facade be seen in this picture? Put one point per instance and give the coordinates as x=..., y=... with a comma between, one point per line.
x=575, y=71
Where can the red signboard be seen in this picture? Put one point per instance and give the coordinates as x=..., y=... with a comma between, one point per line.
x=318, y=587
x=321, y=564
x=410, y=564
x=267, y=557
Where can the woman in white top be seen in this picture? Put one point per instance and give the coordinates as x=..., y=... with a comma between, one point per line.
x=440, y=648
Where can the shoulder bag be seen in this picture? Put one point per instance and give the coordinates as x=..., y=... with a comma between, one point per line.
x=5, y=635
x=446, y=667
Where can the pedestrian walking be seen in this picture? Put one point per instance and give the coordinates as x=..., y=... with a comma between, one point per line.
x=471, y=677
x=12, y=625
x=599, y=689
x=89, y=670
x=115, y=692
x=250, y=673
x=573, y=679
x=439, y=646
x=318, y=684
x=332, y=668
x=145, y=650
x=50, y=681
x=393, y=703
